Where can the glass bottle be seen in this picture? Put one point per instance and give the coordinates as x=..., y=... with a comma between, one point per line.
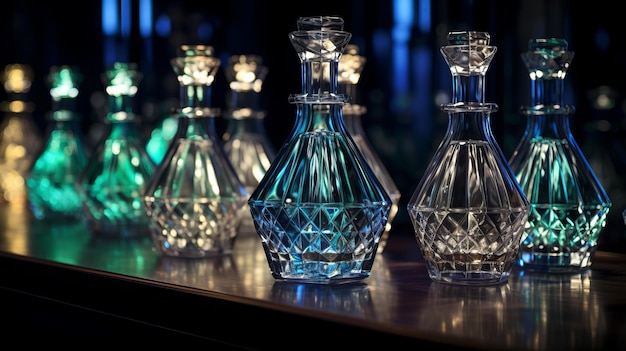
x=195, y=199
x=468, y=210
x=114, y=182
x=51, y=184
x=161, y=137
x=350, y=67
x=568, y=204
x=245, y=141
x=20, y=139
x=320, y=209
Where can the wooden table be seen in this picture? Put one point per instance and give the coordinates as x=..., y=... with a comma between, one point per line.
x=61, y=282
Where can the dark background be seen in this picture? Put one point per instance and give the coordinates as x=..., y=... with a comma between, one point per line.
x=404, y=81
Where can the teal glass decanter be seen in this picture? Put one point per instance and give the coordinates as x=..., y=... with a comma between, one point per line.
x=20, y=140
x=351, y=66
x=245, y=141
x=161, y=137
x=51, y=184
x=568, y=204
x=114, y=182
x=195, y=200
x=320, y=210
x=468, y=210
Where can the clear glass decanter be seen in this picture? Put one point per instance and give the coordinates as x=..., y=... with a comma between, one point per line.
x=20, y=139
x=195, y=199
x=568, y=204
x=468, y=210
x=114, y=182
x=350, y=68
x=320, y=210
x=245, y=141
x=51, y=184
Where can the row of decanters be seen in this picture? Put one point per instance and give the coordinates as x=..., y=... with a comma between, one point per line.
x=323, y=204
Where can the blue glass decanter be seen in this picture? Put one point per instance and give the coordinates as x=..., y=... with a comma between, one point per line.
x=568, y=204
x=195, y=200
x=468, y=210
x=115, y=180
x=351, y=65
x=320, y=210
x=52, y=191
x=245, y=141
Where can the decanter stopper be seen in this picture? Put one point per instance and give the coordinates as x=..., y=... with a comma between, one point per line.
x=20, y=140
x=351, y=66
x=568, y=204
x=195, y=199
x=319, y=210
x=468, y=210
x=247, y=145
x=52, y=190
x=114, y=182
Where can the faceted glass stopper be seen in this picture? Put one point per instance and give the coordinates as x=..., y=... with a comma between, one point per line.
x=245, y=73
x=64, y=82
x=468, y=53
x=17, y=78
x=196, y=65
x=351, y=65
x=547, y=58
x=122, y=79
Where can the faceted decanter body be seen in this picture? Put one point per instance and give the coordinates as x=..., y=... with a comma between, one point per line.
x=320, y=210
x=568, y=204
x=114, y=182
x=52, y=190
x=468, y=210
x=245, y=141
x=195, y=199
x=350, y=67
x=20, y=140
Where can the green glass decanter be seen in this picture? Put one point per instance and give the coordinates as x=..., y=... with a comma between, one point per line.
x=115, y=180
x=568, y=204
x=320, y=210
x=468, y=210
x=245, y=141
x=195, y=200
x=52, y=191
x=351, y=65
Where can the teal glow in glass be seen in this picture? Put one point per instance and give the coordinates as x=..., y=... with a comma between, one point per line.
x=569, y=206
x=161, y=137
x=468, y=210
x=52, y=191
x=195, y=200
x=320, y=210
x=114, y=183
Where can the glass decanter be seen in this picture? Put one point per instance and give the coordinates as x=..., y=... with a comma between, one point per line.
x=114, y=182
x=320, y=209
x=245, y=141
x=568, y=204
x=468, y=210
x=350, y=67
x=161, y=137
x=20, y=139
x=195, y=199
x=51, y=184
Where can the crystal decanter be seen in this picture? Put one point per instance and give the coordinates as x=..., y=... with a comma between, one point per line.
x=195, y=199
x=51, y=184
x=350, y=68
x=320, y=210
x=20, y=139
x=468, y=210
x=568, y=204
x=114, y=182
x=245, y=141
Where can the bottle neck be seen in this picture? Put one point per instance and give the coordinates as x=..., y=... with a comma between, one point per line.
x=248, y=99
x=553, y=126
x=313, y=118
x=468, y=88
x=546, y=92
x=200, y=128
x=319, y=83
x=120, y=108
x=475, y=126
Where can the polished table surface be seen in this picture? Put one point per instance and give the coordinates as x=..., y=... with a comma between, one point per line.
x=397, y=303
